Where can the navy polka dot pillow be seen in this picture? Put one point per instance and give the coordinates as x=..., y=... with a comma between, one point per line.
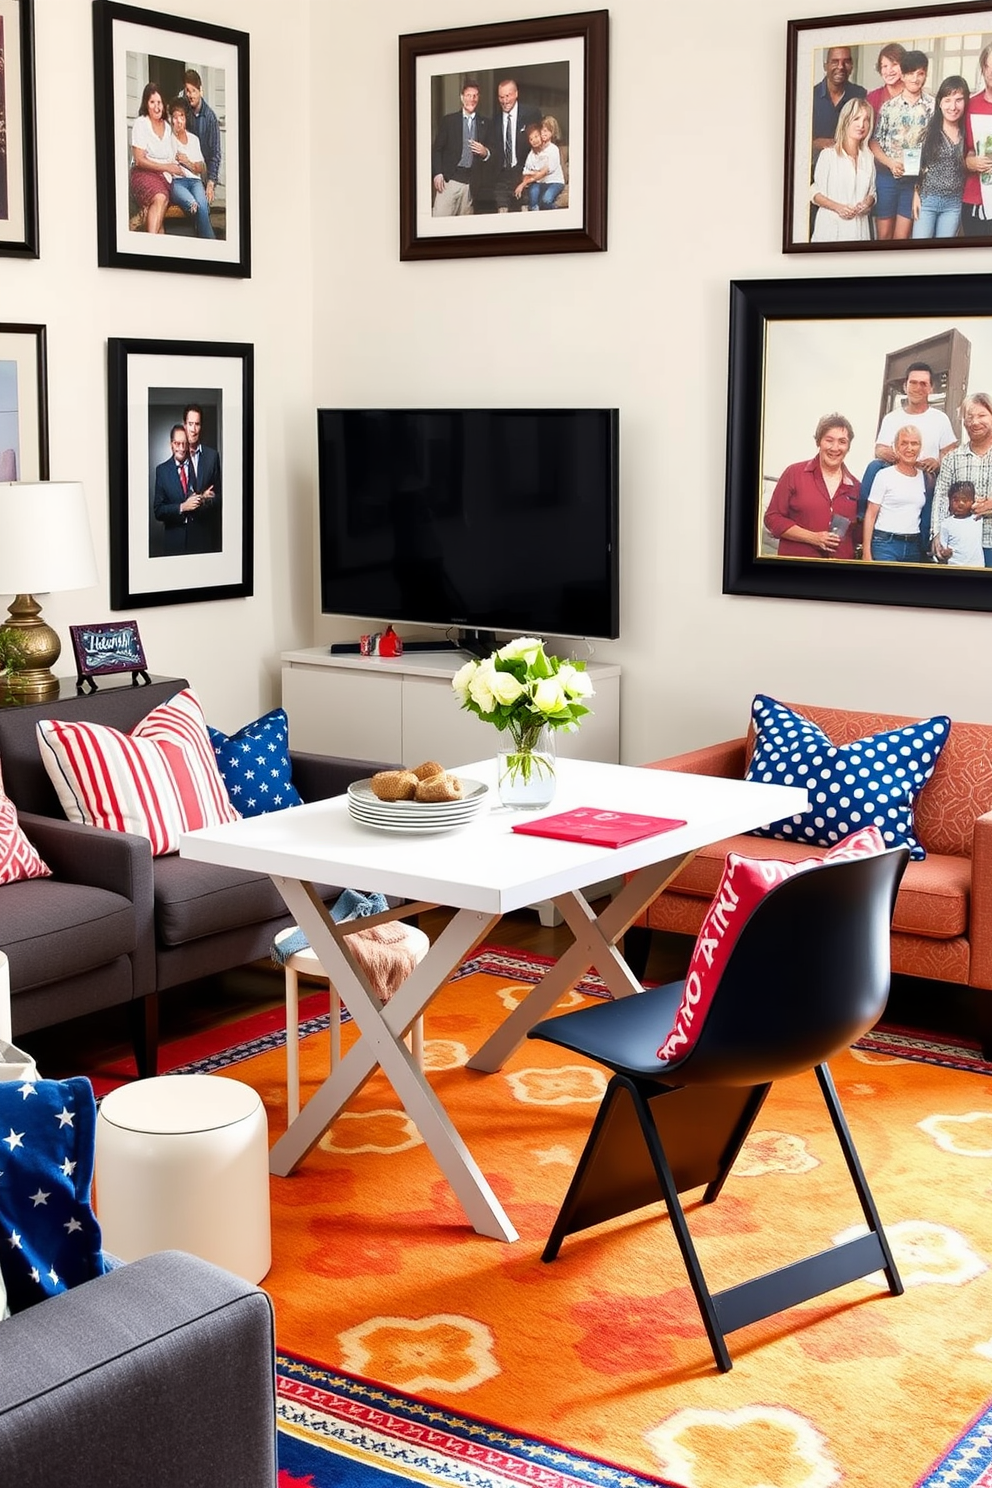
x=872, y=781
x=256, y=766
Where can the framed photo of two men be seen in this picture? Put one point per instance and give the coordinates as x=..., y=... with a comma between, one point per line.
x=180, y=444
x=888, y=131
x=503, y=138
x=171, y=143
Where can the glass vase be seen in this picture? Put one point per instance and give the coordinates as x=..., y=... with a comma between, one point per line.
x=525, y=768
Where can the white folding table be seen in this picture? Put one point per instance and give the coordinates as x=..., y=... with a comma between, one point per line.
x=483, y=871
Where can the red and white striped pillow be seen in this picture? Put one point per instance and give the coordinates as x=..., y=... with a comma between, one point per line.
x=158, y=781
x=18, y=859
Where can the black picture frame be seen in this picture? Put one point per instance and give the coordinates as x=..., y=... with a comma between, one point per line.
x=159, y=556
x=951, y=36
x=18, y=139
x=23, y=402
x=105, y=649
x=802, y=349
x=130, y=45
x=561, y=60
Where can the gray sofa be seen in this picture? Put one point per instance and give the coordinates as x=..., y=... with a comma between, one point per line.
x=169, y=920
x=160, y=1373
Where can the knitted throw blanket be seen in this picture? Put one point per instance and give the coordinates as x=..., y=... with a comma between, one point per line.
x=386, y=953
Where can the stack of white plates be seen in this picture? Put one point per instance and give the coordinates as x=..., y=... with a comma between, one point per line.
x=415, y=816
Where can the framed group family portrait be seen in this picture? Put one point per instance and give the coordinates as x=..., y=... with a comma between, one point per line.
x=172, y=142
x=816, y=368
x=883, y=111
x=181, y=461
x=503, y=133
x=18, y=150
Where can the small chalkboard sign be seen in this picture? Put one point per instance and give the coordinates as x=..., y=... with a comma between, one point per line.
x=103, y=649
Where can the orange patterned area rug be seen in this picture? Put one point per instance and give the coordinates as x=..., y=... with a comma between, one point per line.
x=377, y=1274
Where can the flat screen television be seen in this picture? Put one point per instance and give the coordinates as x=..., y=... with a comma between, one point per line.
x=477, y=520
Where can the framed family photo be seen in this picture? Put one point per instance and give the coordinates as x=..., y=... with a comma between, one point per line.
x=888, y=130
x=18, y=155
x=23, y=403
x=172, y=156
x=859, y=442
x=181, y=494
x=503, y=138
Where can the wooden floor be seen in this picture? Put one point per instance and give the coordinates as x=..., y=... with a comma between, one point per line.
x=73, y=1048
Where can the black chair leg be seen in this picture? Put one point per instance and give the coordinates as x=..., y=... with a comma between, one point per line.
x=843, y=1133
x=144, y=1034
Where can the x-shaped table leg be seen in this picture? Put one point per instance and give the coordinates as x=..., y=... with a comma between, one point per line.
x=594, y=948
x=381, y=1045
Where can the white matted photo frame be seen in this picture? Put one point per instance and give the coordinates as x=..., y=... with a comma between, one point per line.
x=465, y=188
x=23, y=403
x=912, y=69
x=181, y=464
x=172, y=143
x=810, y=359
x=18, y=150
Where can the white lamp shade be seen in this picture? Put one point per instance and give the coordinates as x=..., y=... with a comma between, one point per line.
x=45, y=540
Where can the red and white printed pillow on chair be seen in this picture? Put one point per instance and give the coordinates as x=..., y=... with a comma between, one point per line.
x=744, y=884
x=18, y=859
x=158, y=781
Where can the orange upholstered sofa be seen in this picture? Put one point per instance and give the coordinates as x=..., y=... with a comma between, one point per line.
x=942, y=927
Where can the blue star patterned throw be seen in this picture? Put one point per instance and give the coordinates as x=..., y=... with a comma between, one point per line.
x=255, y=765
x=873, y=781
x=49, y=1236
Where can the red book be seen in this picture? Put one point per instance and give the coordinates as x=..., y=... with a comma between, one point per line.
x=600, y=828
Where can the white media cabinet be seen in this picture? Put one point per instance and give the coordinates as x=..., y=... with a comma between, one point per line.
x=403, y=709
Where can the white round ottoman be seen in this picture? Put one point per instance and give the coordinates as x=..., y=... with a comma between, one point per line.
x=182, y=1163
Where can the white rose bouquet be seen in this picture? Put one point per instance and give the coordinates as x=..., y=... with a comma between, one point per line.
x=522, y=690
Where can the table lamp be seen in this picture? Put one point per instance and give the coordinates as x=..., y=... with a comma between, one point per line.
x=45, y=547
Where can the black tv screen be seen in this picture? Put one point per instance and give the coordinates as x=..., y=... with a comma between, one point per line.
x=475, y=519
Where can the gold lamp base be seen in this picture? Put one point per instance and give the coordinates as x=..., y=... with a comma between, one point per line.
x=31, y=679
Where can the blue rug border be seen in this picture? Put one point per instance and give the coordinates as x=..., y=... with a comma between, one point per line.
x=468, y=1427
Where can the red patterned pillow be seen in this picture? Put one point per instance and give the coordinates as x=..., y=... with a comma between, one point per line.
x=18, y=858
x=158, y=781
x=744, y=884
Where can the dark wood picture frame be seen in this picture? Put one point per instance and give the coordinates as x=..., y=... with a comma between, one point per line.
x=433, y=64
x=18, y=142
x=24, y=400
x=158, y=555
x=951, y=36
x=104, y=649
x=168, y=44
x=802, y=349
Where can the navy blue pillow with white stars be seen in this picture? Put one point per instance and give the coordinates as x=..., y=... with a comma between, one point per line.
x=873, y=781
x=49, y=1236
x=255, y=765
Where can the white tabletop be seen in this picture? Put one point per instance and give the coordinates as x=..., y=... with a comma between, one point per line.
x=486, y=866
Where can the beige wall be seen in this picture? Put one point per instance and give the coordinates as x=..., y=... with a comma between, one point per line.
x=337, y=319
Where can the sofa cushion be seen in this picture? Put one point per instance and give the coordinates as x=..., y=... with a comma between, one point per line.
x=959, y=790
x=52, y=930
x=255, y=765
x=933, y=897
x=196, y=899
x=743, y=884
x=158, y=781
x=18, y=859
x=51, y=1236
x=872, y=780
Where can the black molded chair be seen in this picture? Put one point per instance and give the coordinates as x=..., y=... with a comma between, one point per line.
x=808, y=976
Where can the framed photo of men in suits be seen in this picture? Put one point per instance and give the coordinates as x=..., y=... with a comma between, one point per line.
x=503, y=138
x=181, y=508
